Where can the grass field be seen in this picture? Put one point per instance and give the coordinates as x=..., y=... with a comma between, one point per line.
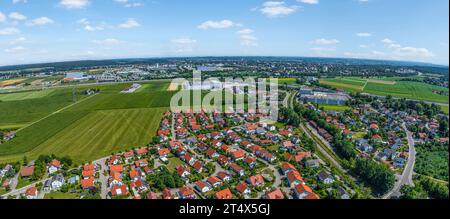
x=173, y=163
x=25, y=95
x=389, y=86
x=94, y=127
x=337, y=108
x=445, y=109
x=60, y=195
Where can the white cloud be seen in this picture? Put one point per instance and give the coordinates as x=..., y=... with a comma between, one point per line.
x=17, y=49
x=408, y=52
x=413, y=52
x=184, y=40
x=387, y=41
x=246, y=31
x=129, y=4
x=108, y=42
x=17, y=16
x=130, y=23
x=89, y=27
x=40, y=21
x=312, y=2
x=274, y=9
x=183, y=44
x=2, y=17
x=19, y=1
x=246, y=38
x=363, y=34
x=9, y=31
x=323, y=41
x=216, y=24
x=18, y=40
x=74, y=4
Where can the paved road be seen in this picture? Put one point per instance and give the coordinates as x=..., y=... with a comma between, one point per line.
x=102, y=178
x=406, y=177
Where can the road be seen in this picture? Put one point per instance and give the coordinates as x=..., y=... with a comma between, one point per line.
x=17, y=192
x=407, y=176
x=321, y=149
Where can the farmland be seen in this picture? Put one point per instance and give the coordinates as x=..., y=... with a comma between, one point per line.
x=389, y=86
x=93, y=127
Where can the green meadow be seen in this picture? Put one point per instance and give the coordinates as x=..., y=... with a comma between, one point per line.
x=89, y=129
x=389, y=86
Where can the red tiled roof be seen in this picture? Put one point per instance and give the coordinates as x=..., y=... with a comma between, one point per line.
x=27, y=171
x=224, y=194
x=275, y=194
x=241, y=187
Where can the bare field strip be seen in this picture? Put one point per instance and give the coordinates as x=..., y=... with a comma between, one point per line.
x=10, y=82
x=173, y=86
x=342, y=85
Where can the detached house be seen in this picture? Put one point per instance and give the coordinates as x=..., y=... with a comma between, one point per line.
x=54, y=166
x=202, y=187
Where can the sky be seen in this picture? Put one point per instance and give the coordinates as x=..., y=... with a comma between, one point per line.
x=34, y=31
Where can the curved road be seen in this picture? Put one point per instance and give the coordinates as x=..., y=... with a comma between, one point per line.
x=406, y=177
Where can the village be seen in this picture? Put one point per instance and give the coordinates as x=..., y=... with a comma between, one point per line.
x=214, y=156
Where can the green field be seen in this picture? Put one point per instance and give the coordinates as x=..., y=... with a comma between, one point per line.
x=445, y=109
x=94, y=127
x=60, y=195
x=337, y=108
x=25, y=95
x=389, y=86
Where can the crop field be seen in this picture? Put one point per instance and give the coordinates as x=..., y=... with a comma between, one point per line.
x=10, y=82
x=25, y=95
x=389, y=86
x=94, y=127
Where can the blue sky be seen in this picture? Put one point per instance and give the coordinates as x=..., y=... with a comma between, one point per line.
x=34, y=31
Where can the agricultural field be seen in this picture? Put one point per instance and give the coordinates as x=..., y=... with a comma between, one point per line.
x=91, y=128
x=389, y=86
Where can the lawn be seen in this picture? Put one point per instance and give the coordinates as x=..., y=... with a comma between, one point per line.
x=22, y=182
x=60, y=195
x=337, y=108
x=173, y=163
x=445, y=109
x=389, y=86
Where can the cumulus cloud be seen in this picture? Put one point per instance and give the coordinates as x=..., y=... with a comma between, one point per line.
x=274, y=9
x=19, y=1
x=74, y=4
x=17, y=49
x=363, y=34
x=312, y=2
x=183, y=44
x=216, y=24
x=247, y=38
x=324, y=41
x=130, y=23
x=40, y=21
x=9, y=31
x=2, y=17
x=17, y=16
x=129, y=4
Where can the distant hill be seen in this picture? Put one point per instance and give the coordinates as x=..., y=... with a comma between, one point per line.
x=61, y=66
